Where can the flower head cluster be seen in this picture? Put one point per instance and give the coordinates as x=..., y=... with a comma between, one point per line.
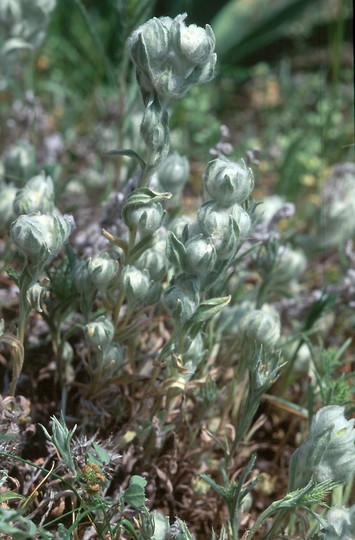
x=329, y=451
x=222, y=223
x=170, y=56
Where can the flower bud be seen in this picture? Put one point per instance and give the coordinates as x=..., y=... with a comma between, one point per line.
x=328, y=453
x=182, y=298
x=20, y=162
x=184, y=225
x=193, y=43
x=36, y=196
x=290, y=264
x=242, y=219
x=228, y=182
x=143, y=210
x=7, y=197
x=302, y=357
x=201, y=255
x=155, y=132
x=340, y=524
x=149, y=42
x=100, y=332
x=102, y=269
x=267, y=209
x=173, y=173
x=338, y=208
x=82, y=277
x=34, y=296
x=136, y=283
x=114, y=354
x=223, y=226
x=66, y=352
x=147, y=217
x=202, y=73
x=40, y=236
x=263, y=326
x=10, y=12
x=154, y=260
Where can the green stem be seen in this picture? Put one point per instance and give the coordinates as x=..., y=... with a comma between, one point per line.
x=26, y=280
x=118, y=306
x=146, y=176
x=275, y=526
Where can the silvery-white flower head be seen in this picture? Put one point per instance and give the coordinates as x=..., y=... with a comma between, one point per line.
x=7, y=197
x=182, y=298
x=143, y=210
x=263, y=326
x=99, y=333
x=339, y=205
x=40, y=236
x=136, y=283
x=19, y=162
x=147, y=218
x=200, y=254
x=340, y=524
x=223, y=226
x=82, y=277
x=290, y=264
x=36, y=196
x=102, y=270
x=34, y=296
x=329, y=451
x=10, y=11
x=173, y=173
x=184, y=226
x=154, y=260
x=266, y=210
x=194, y=43
x=228, y=182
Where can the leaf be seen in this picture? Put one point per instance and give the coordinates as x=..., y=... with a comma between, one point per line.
x=101, y=457
x=175, y=251
x=125, y=152
x=15, y=44
x=145, y=196
x=135, y=494
x=242, y=27
x=210, y=307
x=317, y=309
x=16, y=526
x=218, y=489
x=115, y=240
x=62, y=533
x=287, y=406
x=14, y=275
x=145, y=243
x=9, y=495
